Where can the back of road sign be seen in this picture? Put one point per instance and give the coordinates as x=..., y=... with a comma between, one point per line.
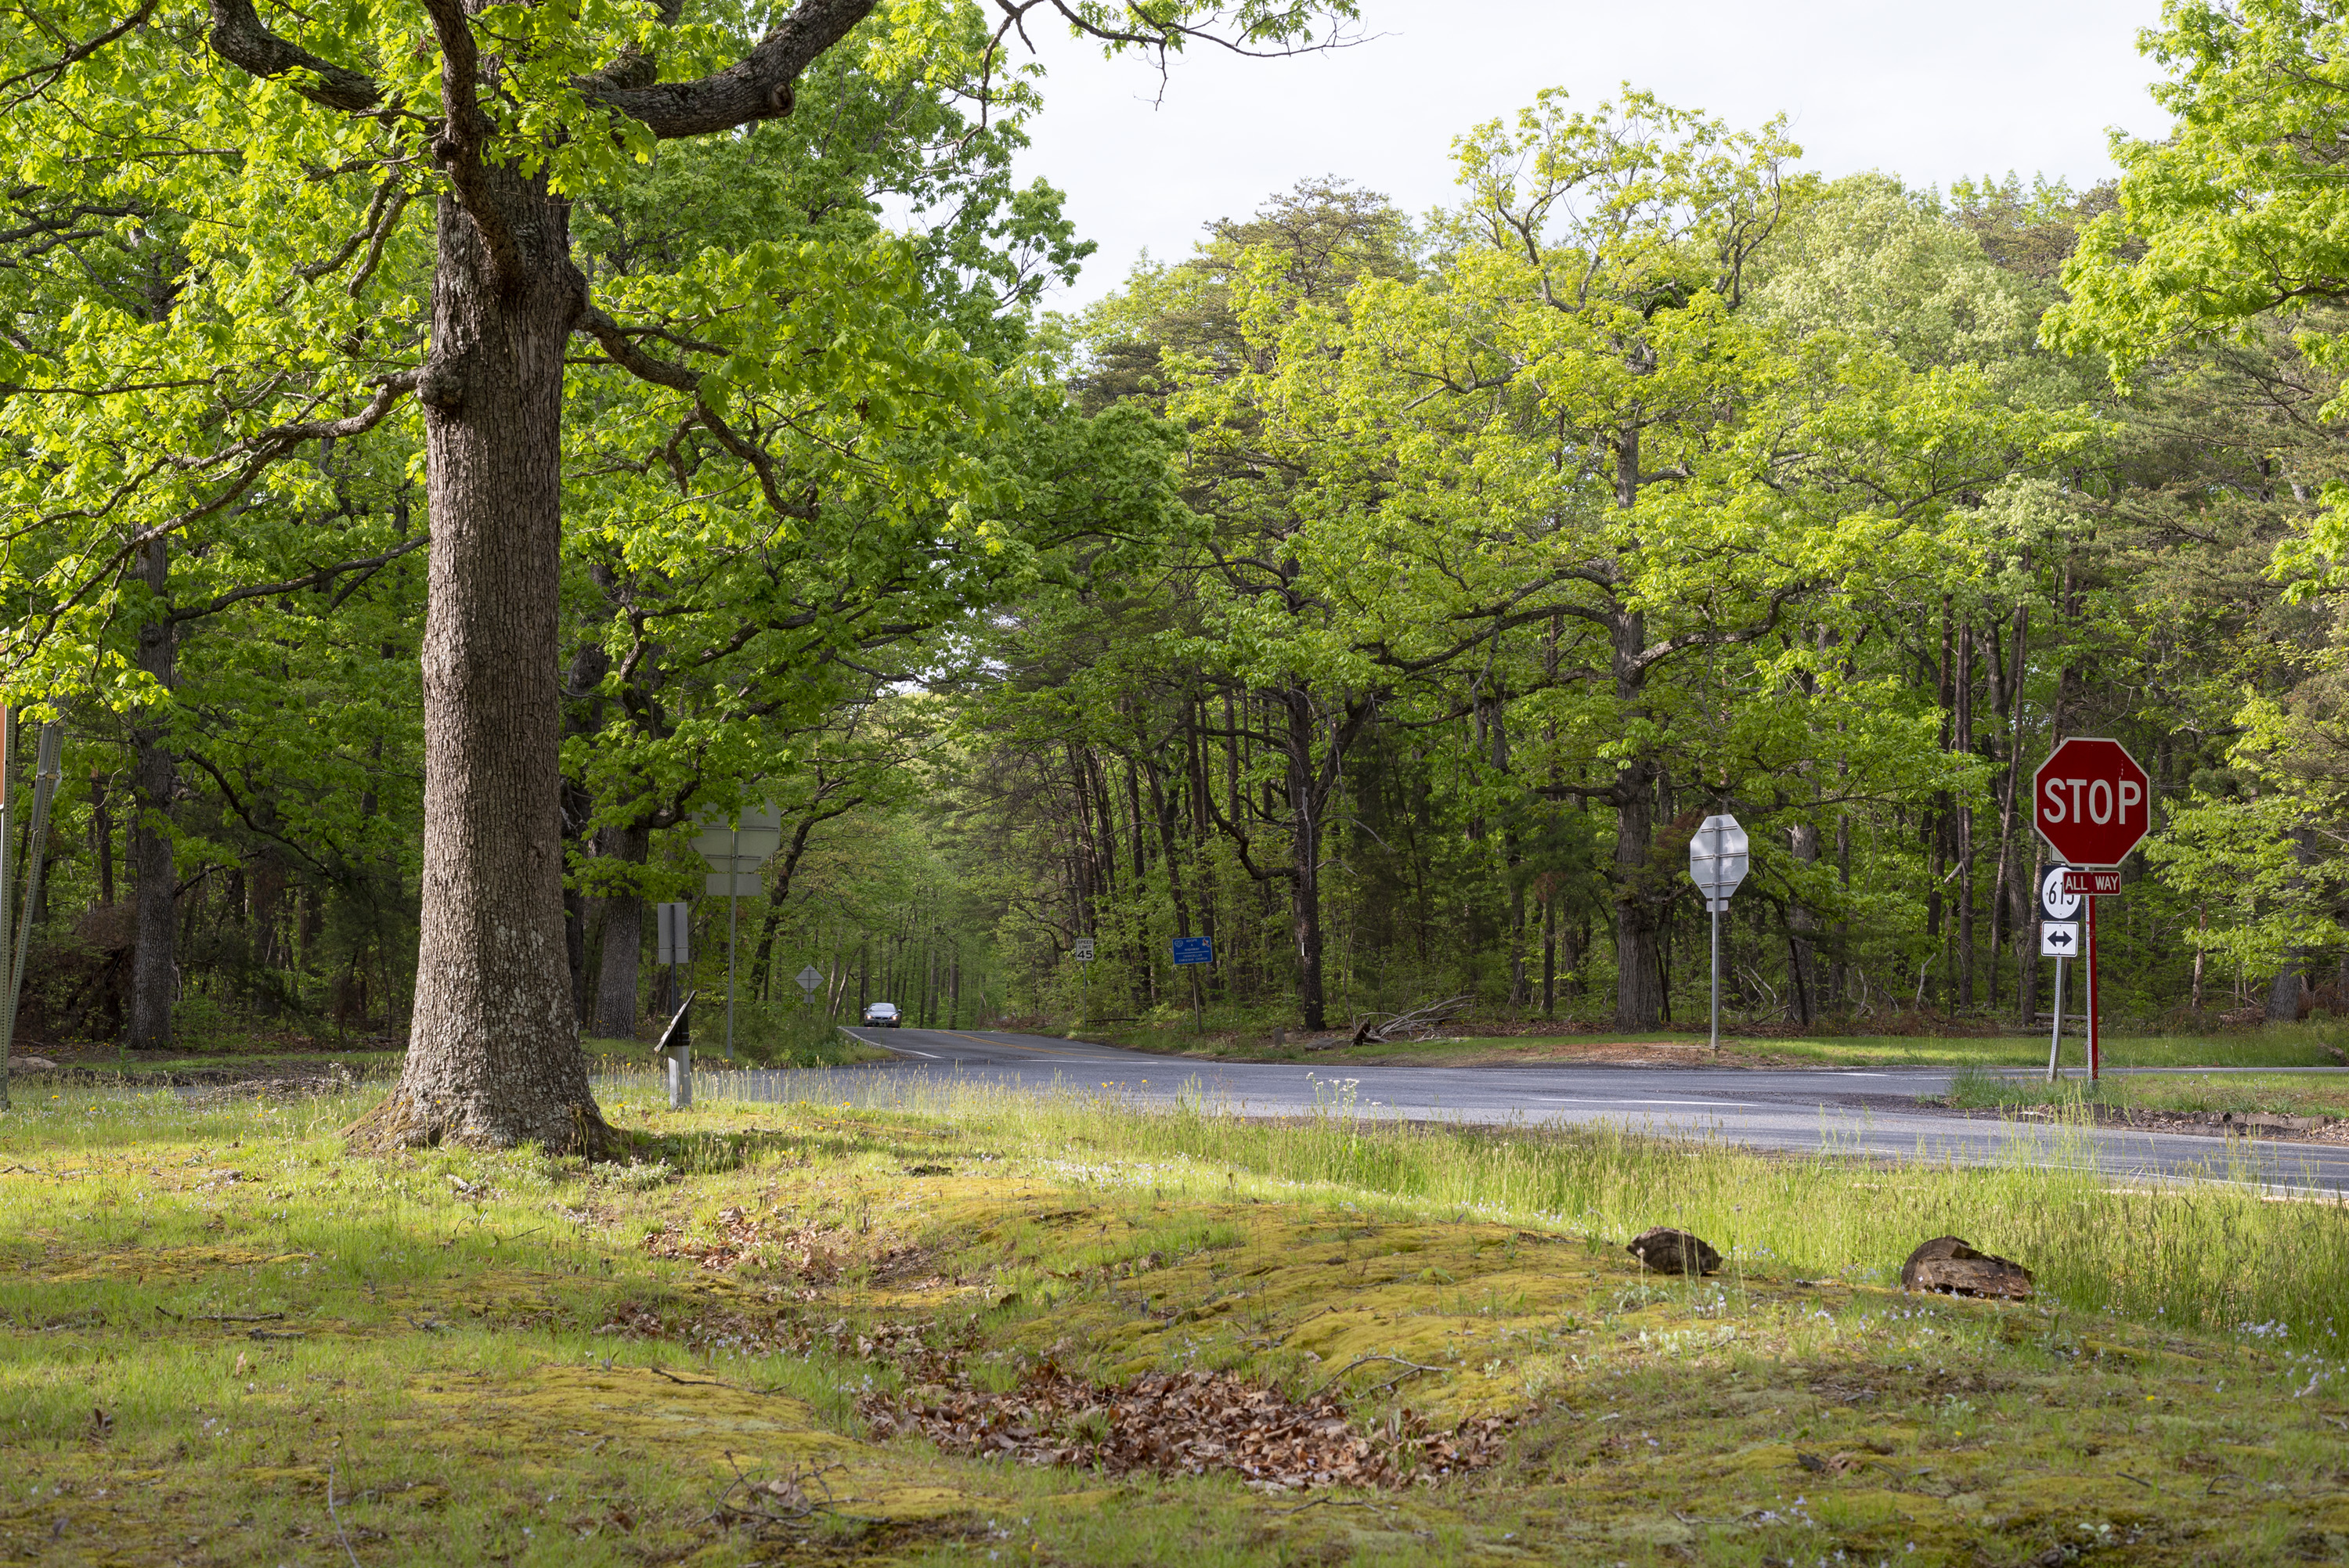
x=1717, y=859
x=674, y=926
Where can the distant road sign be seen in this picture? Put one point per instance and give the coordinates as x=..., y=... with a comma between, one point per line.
x=2053, y=901
x=809, y=978
x=2059, y=939
x=2091, y=884
x=1717, y=859
x=752, y=836
x=2091, y=801
x=1082, y=950
x=1194, y=949
x=674, y=924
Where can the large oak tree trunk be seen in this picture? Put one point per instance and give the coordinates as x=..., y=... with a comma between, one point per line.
x=494, y=1054
x=154, y=871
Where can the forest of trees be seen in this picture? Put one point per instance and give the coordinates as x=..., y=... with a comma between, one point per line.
x=1385, y=596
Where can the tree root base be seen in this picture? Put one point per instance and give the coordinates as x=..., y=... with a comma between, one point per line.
x=401, y=1122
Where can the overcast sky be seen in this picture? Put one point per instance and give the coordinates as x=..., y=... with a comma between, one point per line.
x=1930, y=92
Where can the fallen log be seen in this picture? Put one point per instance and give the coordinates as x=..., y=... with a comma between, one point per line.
x=1419, y=1022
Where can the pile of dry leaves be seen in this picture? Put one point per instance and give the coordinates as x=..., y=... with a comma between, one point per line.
x=803, y=1250
x=816, y=1253
x=722, y=1332
x=1183, y=1423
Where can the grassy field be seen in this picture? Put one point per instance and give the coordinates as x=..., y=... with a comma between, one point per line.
x=830, y=1048
x=2281, y=1094
x=2285, y=1046
x=167, y=1067
x=227, y=1340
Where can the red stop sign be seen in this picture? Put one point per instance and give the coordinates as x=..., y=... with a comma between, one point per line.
x=2091, y=801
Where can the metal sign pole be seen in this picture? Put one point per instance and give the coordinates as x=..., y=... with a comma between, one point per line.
x=2095, y=1057
x=676, y=1052
x=2059, y=934
x=674, y=923
x=2055, y=1035
x=1717, y=856
x=724, y=845
x=1716, y=977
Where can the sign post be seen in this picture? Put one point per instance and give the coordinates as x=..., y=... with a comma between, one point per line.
x=2059, y=938
x=741, y=847
x=673, y=945
x=1194, y=950
x=808, y=979
x=1717, y=864
x=2093, y=803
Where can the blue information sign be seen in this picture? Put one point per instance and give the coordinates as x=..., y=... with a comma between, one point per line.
x=1194, y=950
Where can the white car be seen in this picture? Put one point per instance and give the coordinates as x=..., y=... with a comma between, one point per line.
x=883, y=1016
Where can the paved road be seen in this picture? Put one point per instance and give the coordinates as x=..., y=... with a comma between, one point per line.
x=1849, y=1110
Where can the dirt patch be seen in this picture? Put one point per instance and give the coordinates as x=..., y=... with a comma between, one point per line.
x=1185, y=1423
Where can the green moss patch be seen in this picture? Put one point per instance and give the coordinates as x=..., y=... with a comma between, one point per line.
x=467, y=1357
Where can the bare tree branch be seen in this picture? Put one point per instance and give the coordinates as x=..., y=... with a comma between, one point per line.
x=757, y=88
x=239, y=37
x=318, y=579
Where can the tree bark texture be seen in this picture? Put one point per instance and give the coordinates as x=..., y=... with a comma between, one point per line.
x=154, y=871
x=494, y=1054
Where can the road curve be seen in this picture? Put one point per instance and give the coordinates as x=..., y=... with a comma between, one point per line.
x=1871, y=1112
